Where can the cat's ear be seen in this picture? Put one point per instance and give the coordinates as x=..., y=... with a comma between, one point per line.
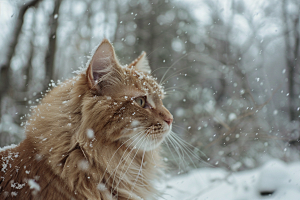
x=103, y=61
x=141, y=64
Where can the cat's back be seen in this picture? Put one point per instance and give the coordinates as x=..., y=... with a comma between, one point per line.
x=25, y=170
x=25, y=175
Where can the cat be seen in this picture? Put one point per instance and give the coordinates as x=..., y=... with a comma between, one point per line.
x=94, y=136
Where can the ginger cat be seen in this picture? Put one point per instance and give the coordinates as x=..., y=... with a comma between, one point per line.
x=95, y=136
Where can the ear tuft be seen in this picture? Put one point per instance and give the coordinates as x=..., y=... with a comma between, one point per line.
x=141, y=63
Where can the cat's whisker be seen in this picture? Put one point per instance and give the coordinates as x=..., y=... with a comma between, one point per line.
x=128, y=156
x=176, y=126
x=108, y=164
x=113, y=172
x=177, y=151
x=148, y=55
x=181, y=150
x=188, y=149
x=188, y=144
x=171, y=92
x=162, y=79
x=152, y=148
x=153, y=144
x=124, y=159
x=181, y=143
x=184, y=150
x=171, y=89
x=158, y=69
x=123, y=175
x=174, y=75
x=140, y=170
x=166, y=142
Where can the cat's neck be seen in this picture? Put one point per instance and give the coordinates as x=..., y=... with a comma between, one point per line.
x=54, y=122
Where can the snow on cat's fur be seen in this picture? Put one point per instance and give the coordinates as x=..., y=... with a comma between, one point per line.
x=95, y=136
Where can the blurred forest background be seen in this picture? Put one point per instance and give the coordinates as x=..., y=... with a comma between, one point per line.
x=230, y=67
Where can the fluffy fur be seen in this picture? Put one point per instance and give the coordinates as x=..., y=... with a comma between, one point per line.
x=95, y=136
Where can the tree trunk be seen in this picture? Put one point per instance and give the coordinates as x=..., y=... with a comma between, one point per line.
x=50, y=56
x=291, y=54
x=4, y=76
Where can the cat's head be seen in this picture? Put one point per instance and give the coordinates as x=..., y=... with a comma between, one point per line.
x=124, y=102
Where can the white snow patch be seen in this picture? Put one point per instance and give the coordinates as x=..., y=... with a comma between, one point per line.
x=275, y=180
x=210, y=106
x=101, y=187
x=8, y=147
x=17, y=186
x=232, y=116
x=90, y=133
x=135, y=123
x=179, y=112
x=64, y=102
x=83, y=165
x=34, y=185
x=14, y=194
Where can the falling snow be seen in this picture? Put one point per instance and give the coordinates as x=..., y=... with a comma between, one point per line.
x=229, y=73
x=34, y=185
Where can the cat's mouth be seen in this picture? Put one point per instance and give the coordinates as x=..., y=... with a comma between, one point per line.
x=156, y=135
x=157, y=130
x=151, y=138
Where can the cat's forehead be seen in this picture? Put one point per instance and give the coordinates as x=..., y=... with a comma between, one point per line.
x=143, y=84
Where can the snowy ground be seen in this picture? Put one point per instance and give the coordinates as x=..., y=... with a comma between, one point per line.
x=274, y=180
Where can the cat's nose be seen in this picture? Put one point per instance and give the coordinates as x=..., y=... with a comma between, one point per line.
x=169, y=121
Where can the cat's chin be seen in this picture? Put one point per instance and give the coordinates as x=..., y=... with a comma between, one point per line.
x=150, y=142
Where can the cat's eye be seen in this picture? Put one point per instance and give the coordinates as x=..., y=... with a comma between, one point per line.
x=141, y=101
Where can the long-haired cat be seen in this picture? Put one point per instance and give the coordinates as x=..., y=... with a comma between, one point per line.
x=95, y=136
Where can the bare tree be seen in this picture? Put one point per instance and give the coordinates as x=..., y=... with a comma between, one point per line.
x=292, y=38
x=50, y=55
x=5, y=68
